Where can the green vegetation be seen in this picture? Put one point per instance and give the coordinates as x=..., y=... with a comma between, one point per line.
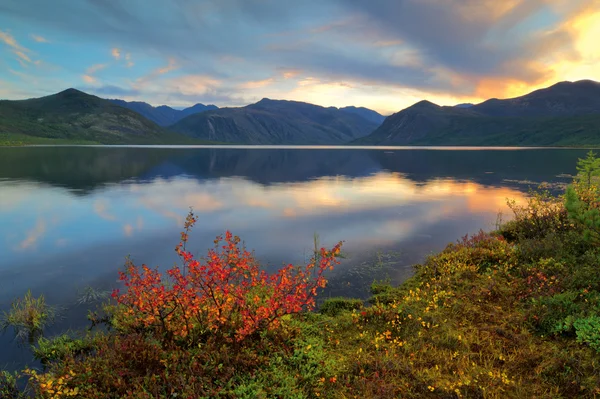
x=510, y=314
x=566, y=114
x=16, y=140
x=28, y=316
x=276, y=122
x=74, y=117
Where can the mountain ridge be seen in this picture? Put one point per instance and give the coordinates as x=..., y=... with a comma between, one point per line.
x=162, y=115
x=276, y=122
x=73, y=115
x=566, y=113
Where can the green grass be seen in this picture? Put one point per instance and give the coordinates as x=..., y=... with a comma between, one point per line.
x=15, y=140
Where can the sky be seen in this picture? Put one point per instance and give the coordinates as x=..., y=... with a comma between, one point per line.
x=380, y=54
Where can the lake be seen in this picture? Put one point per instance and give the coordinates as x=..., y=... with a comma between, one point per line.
x=70, y=215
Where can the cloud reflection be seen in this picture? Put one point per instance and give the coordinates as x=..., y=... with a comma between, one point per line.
x=33, y=235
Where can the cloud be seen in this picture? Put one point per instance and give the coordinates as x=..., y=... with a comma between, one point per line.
x=33, y=235
x=433, y=47
x=88, y=76
x=10, y=41
x=256, y=84
x=39, y=39
x=20, y=51
x=95, y=68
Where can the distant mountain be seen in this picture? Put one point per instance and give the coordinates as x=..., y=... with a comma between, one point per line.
x=366, y=113
x=162, y=115
x=567, y=113
x=464, y=105
x=76, y=116
x=276, y=122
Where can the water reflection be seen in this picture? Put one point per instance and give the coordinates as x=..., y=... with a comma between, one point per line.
x=69, y=216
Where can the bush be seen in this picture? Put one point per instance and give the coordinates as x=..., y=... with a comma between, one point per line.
x=8, y=386
x=334, y=306
x=228, y=297
x=588, y=331
x=541, y=215
x=60, y=347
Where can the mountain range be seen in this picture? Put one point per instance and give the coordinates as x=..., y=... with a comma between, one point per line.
x=162, y=115
x=565, y=114
x=277, y=122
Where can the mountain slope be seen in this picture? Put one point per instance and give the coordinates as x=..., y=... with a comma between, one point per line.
x=162, y=115
x=567, y=113
x=366, y=113
x=73, y=115
x=276, y=122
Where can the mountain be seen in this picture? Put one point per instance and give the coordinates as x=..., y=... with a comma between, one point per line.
x=567, y=113
x=366, y=113
x=464, y=105
x=276, y=122
x=162, y=115
x=73, y=115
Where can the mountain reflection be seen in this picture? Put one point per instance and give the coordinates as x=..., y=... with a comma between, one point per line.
x=84, y=169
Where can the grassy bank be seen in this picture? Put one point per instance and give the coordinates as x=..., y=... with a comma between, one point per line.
x=509, y=314
x=15, y=140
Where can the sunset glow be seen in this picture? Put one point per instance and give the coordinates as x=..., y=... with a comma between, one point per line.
x=382, y=54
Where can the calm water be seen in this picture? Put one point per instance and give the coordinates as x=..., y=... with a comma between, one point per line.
x=70, y=215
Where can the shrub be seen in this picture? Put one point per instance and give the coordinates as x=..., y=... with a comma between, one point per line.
x=227, y=297
x=60, y=347
x=542, y=214
x=334, y=306
x=588, y=331
x=8, y=386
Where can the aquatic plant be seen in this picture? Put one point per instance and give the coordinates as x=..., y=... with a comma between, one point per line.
x=28, y=316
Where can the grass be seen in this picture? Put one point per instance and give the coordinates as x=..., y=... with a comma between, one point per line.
x=28, y=316
x=17, y=140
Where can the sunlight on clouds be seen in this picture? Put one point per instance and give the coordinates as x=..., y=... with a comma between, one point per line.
x=171, y=67
x=586, y=29
x=21, y=52
x=256, y=84
x=116, y=53
x=95, y=68
x=39, y=39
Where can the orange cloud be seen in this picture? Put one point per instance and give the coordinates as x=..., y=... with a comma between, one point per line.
x=39, y=39
x=172, y=66
x=256, y=84
x=116, y=53
x=95, y=68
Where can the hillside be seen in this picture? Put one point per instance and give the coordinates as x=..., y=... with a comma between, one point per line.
x=162, y=115
x=567, y=113
x=366, y=113
x=276, y=122
x=74, y=116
